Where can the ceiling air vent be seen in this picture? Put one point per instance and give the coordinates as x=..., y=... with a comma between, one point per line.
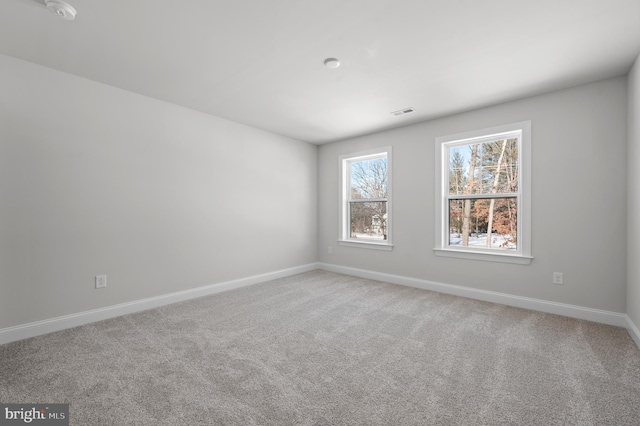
x=403, y=111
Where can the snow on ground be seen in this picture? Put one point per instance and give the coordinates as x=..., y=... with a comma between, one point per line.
x=480, y=240
x=367, y=236
x=498, y=241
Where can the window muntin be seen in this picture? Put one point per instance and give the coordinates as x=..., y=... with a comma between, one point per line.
x=365, y=198
x=481, y=180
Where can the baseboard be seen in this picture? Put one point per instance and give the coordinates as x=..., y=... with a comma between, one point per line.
x=573, y=311
x=633, y=331
x=38, y=328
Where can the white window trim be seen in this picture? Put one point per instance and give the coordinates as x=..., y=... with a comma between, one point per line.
x=343, y=216
x=523, y=254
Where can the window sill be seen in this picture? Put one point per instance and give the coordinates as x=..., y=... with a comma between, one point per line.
x=489, y=257
x=366, y=244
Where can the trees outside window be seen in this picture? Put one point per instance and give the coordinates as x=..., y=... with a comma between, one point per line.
x=483, y=195
x=477, y=170
x=366, y=198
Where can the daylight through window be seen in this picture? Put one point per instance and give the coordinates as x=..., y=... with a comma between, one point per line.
x=483, y=200
x=365, y=210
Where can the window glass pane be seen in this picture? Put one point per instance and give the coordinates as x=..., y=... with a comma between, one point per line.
x=484, y=168
x=369, y=179
x=469, y=221
x=368, y=220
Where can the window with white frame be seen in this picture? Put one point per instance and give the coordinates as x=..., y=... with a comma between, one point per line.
x=483, y=191
x=365, y=199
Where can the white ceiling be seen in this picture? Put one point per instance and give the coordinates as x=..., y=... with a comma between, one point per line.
x=260, y=62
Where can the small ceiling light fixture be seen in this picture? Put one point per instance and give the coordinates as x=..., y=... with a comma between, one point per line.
x=331, y=63
x=62, y=9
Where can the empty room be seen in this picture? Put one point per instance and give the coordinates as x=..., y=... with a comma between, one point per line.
x=336, y=212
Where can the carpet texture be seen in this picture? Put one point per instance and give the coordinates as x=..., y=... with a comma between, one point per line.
x=327, y=349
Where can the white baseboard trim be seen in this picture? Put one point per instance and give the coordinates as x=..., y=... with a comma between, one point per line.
x=38, y=328
x=573, y=311
x=633, y=331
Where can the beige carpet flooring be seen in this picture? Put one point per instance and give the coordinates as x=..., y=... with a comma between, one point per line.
x=327, y=349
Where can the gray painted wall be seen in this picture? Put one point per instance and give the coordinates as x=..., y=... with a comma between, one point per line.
x=97, y=180
x=579, y=143
x=633, y=212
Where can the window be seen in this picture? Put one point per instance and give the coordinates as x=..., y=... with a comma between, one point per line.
x=483, y=191
x=365, y=199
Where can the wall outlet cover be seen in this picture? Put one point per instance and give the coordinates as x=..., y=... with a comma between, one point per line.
x=101, y=281
x=558, y=278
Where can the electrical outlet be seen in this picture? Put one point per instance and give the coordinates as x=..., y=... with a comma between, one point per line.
x=330, y=250
x=558, y=278
x=101, y=281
